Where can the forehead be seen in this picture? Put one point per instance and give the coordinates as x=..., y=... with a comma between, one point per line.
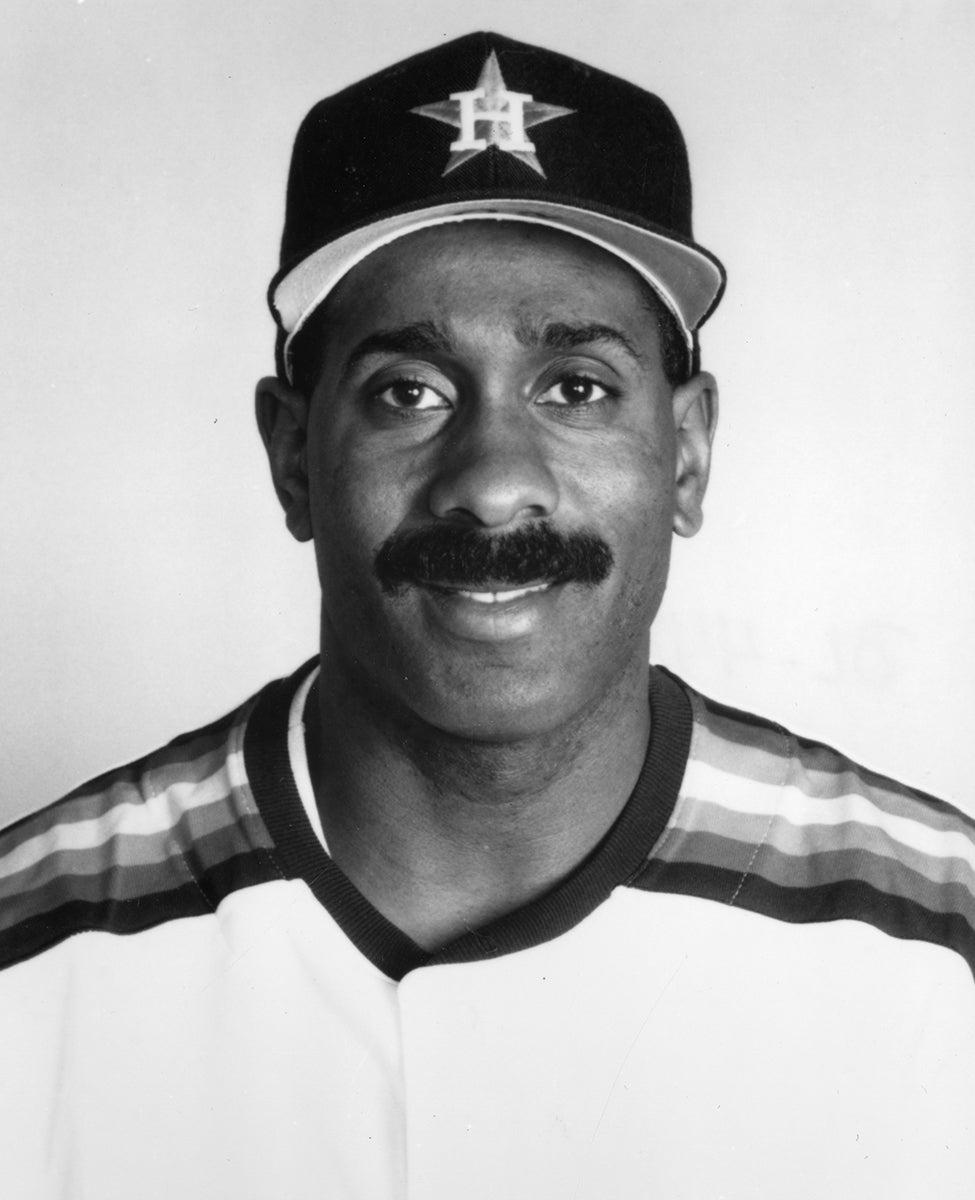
x=476, y=275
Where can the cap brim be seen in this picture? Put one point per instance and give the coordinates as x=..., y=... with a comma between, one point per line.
x=688, y=280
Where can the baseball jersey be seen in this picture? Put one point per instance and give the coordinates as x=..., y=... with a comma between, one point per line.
x=759, y=984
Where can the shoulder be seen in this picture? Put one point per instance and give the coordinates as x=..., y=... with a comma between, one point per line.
x=791, y=828
x=147, y=842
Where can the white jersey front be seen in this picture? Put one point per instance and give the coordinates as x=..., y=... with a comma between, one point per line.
x=758, y=986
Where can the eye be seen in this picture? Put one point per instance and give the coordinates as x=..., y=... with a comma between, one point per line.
x=575, y=391
x=411, y=395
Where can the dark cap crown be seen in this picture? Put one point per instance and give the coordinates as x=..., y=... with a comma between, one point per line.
x=366, y=152
x=486, y=128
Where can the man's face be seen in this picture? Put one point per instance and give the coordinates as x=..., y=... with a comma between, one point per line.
x=488, y=379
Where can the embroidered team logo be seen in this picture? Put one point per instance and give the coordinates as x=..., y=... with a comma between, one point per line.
x=490, y=115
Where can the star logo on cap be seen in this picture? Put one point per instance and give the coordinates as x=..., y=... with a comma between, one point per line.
x=491, y=115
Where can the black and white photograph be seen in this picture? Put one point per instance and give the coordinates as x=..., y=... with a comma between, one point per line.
x=487, y=621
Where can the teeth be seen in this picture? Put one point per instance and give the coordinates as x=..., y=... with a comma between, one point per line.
x=503, y=597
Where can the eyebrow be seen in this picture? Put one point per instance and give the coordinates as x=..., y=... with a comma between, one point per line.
x=560, y=335
x=423, y=337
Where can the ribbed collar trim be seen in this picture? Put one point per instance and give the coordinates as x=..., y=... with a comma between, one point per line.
x=619, y=856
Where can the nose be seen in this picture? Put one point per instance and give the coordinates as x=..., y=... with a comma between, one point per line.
x=493, y=470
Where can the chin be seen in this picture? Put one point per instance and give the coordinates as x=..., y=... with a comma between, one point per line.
x=505, y=710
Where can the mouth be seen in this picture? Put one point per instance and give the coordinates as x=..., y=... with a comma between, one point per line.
x=490, y=612
x=493, y=595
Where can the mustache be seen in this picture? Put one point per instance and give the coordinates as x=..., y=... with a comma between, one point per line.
x=469, y=558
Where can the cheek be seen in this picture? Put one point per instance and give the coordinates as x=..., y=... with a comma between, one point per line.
x=346, y=513
x=634, y=486
x=358, y=498
x=643, y=494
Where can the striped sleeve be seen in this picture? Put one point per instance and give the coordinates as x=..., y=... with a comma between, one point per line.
x=794, y=830
x=159, y=839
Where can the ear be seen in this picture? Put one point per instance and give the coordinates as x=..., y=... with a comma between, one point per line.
x=695, y=420
x=282, y=418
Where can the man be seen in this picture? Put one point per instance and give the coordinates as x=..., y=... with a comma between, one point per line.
x=455, y=911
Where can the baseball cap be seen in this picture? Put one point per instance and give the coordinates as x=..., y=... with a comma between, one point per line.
x=487, y=128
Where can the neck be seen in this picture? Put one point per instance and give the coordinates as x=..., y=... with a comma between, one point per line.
x=443, y=834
